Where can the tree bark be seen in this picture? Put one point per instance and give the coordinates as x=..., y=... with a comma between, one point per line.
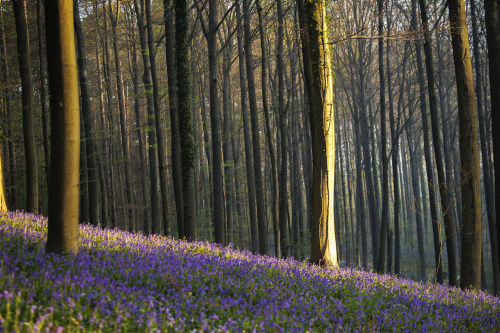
x=470, y=268
x=323, y=243
x=23, y=50
x=493, y=42
x=174, y=115
x=186, y=127
x=254, y=120
x=62, y=235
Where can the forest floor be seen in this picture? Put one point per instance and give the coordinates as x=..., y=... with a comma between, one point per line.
x=125, y=282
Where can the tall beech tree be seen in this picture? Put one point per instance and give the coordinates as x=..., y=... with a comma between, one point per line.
x=323, y=245
x=62, y=235
x=88, y=121
x=470, y=268
x=493, y=42
x=23, y=53
x=186, y=127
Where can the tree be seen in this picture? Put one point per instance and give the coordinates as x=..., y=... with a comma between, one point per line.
x=470, y=268
x=257, y=164
x=23, y=47
x=323, y=246
x=3, y=201
x=62, y=233
x=186, y=127
x=88, y=122
x=493, y=42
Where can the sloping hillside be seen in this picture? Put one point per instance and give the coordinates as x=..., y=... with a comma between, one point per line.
x=123, y=282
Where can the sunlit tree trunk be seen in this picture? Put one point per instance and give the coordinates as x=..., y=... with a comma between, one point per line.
x=323, y=245
x=62, y=235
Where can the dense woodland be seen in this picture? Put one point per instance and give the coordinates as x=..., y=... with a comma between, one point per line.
x=197, y=122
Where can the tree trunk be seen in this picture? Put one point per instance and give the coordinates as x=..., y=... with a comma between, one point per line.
x=488, y=182
x=186, y=127
x=385, y=172
x=174, y=115
x=23, y=50
x=436, y=140
x=254, y=120
x=470, y=268
x=428, y=159
x=323, y=245
x=62, y=235
x=88, y=122
x=254, y=234
x=493, y=42
x=153, y=152
x=162, y=159
x=43, y=88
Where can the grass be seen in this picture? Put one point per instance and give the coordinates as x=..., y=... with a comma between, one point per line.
x=124, y=282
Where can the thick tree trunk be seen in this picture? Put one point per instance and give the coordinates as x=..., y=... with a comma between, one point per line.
x=323, y=243
x=493, y=42
x=12, y=194
x=23, y=51
x=62, y=235
x=470, y=268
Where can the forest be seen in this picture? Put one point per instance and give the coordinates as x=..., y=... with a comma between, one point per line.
x=353, y=134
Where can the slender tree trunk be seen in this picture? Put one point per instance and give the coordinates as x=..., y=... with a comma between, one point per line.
x=153, y=152
x=254, y=120
x=174, y=115
x=470, y=272
x=62, y=235
x=488, y=182
x=226, y=142
x=428, y=159
x=162, y=159
x=138, y=130
x=114, y=16
x=385, y=172
x=186, y=127
x=282, y=110
x=248, y=144
x=88, y=122
x=23, y=50
x=436, y=140
x=43, y=88
x=394, y=155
